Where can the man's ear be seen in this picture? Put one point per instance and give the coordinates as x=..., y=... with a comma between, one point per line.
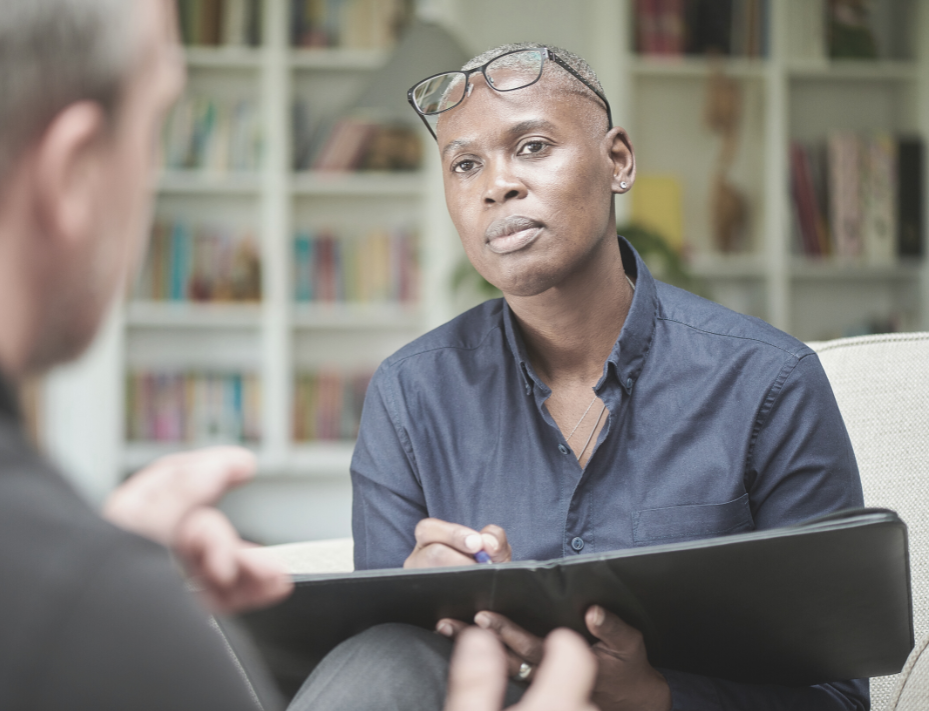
x=623, y=159
x=69, y=169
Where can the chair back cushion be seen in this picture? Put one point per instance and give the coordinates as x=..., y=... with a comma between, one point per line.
x=882, y=386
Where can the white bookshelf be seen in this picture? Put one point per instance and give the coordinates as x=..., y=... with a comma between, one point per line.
x=659, y=102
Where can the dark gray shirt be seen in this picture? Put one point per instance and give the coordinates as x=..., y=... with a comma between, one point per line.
x=717, y=423
x=93, y=617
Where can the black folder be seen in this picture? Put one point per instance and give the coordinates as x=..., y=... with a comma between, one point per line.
x=823, y=601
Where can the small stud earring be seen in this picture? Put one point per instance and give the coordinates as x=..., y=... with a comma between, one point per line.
x=624, y=185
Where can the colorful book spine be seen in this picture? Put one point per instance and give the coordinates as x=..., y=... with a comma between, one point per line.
x=204, y=133
x=677, y=27
x=327, y=404
x=378, y=266
x=350, y=24
x=213, y=23
x=193, y=407
x=199, y=263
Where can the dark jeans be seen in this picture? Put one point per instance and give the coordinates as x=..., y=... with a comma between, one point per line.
x=389, y=668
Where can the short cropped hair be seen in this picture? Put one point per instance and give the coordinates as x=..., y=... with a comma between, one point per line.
x=54, y=53
x=556, y=75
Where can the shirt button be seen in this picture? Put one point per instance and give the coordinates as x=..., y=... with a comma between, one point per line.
x=562, y=449
x=629, y=383
x=528, y=389
x=577, y=543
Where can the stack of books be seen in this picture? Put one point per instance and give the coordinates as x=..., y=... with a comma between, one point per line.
x=210, y=23
x=327, y=405
x=857, y=196
x=351, y=143
x=200, y=263
x=201, y=407
x=736, y=28
x=378, y=266
x=205, y=133
x=350, y=24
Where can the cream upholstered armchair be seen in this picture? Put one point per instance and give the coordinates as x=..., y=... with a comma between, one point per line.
x=882, y=387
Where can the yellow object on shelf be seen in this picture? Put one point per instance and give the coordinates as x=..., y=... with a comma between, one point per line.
x=657, y=205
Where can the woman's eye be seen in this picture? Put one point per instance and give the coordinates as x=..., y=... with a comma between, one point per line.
x=532, y=147
x=463, y=166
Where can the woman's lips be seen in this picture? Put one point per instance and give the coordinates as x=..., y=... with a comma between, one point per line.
x=510, y=234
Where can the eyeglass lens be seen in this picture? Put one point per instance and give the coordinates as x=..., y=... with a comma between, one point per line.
x=505, y=73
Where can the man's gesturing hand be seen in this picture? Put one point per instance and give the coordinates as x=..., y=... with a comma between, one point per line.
x=440, y=544
x=625, y=679
x=171, y=502
x=477, y=677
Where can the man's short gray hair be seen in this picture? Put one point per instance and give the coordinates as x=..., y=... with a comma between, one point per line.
x=54, y=53
x=557, y=76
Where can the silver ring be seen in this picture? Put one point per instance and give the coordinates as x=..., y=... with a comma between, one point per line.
x=525, y=669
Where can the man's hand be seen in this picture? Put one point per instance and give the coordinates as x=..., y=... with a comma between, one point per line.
x=477, y=677
x=625, y=679
x=171, y=502
x=441, y=544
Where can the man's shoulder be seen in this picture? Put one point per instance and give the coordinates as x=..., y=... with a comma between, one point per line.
x=467, y=332
x=690, y=314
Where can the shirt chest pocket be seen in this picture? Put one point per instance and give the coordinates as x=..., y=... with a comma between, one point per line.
x=693, y=521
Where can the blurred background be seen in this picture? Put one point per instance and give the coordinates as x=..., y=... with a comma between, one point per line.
x=301, y=234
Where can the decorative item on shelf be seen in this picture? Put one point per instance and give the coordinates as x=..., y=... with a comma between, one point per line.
x=228, y=23
x=375, y=266
x=851, y=35
x=698, y=27
x=348, y=24
x=200, y=407
x=203, y=263
x=327, y=404
x=209, y=134
x=728, y=206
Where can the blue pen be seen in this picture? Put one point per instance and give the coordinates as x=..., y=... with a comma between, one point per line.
x=482, y=557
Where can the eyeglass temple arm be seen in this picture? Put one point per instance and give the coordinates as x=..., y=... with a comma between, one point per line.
x=567, y=67
x=422, y=117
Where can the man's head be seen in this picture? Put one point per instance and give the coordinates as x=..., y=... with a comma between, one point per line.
x=85, y=85
x=530, y=174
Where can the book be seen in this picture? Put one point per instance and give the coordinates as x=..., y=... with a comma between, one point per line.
x=878, y=199
x=199, y=262
x=823, y=601
x=349, y=24
x=845, y=192
x=192, y=406
x=327, y=404
x=910, y=167
x=657, y=204
x=213, y=23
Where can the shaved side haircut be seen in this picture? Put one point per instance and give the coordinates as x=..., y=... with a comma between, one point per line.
x=54, y=53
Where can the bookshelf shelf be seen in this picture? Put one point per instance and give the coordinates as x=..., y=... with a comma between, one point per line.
x=223, y=57
x=356, y=316
x=697, y=67
x=852, y=70
x=348, y=59
x=320, y=458
x=204, y=182
x=735, y=266
x=358, y=184
x=833, y=270
x=192, y=315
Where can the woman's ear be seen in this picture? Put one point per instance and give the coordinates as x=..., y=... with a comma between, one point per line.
x=623, y=159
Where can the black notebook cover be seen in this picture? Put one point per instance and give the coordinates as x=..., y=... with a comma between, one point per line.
x=823, y=601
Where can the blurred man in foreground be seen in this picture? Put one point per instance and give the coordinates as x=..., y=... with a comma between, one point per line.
x=95, y=617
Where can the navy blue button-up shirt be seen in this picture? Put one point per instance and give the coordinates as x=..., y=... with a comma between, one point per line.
x=717, y=423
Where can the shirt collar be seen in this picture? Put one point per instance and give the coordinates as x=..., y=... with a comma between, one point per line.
x=631, y=348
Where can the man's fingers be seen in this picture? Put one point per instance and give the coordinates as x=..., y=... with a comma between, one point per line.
x=611, y=630
x=437, y=555
x=477, y=676
x=526, y=646
x=565, y=677
x=450, y=628
x=154, y=501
